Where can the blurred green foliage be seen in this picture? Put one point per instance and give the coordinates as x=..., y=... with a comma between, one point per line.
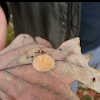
x=86, y=97
x=82, y=88
x=10, y=36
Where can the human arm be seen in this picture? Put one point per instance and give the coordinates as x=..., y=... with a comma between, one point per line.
x=4, y=17
x=3, y=29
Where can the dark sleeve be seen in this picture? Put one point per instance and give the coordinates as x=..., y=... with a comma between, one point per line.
x=5, y=6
